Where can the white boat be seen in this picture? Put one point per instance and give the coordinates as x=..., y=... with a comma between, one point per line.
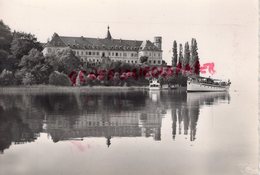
x=202, y=84
x=154, y=84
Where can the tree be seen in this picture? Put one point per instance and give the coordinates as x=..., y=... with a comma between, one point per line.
x=6, y=78
x=59, y=79
x=164, y=63
x=35, y=64
x=197, y=68
x=194, y=61
x=68, y=62
x=5, y=37
x=28, y=79
x=186, y=58
x=6, y=61
x=179, y=65
x=180, y=54
x=22, y=43
x=143, y=59
x=106, y=63
x=175, y=54
x=3, y=59
x=33, y=58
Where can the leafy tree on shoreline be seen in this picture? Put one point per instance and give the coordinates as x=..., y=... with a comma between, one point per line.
x=59, y=79
x=6, y=78
x=6, y=61
x=22, y=43
x=68, y=62
x=35, y=64
x=5, y=36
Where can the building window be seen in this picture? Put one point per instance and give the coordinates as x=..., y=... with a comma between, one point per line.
x=124, y=54
x=116, y=54
x=112, y=53
x=159, y=62
x=82, y=53
x=89, y=53
x=103, y=54
x=159, y=54
x=135, y=61
x=132, y=55
x=154, y=62
x=97, y=53
x=120, y=54
x=86, y=53
x=93, y=53
x=132, y=61
x=77, y=53
x=150, y=61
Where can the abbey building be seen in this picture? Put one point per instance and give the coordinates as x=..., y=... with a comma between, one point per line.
x=93, y=50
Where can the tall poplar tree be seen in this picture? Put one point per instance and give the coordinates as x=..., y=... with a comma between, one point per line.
x=179, y=65
x=175, y=54
x=186, y=58
x=194, y=61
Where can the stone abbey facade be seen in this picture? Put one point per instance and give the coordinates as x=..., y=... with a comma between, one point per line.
x=93, y=50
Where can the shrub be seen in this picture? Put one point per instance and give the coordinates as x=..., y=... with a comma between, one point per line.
x=6, y=78
x=59, y=79
x=28, y=79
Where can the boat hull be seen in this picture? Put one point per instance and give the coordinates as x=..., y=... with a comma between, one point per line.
x=201, y=87
x=154, y=88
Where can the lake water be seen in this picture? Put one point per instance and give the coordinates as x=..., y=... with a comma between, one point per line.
x=129, y=132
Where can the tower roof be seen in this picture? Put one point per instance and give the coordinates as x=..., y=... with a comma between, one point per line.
x=108, y=34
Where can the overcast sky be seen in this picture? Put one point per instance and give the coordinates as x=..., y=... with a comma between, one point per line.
x=226, y=30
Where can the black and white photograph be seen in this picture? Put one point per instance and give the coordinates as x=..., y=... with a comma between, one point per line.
x=129, y=87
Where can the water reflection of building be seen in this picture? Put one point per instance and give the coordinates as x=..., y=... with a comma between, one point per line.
x=125, y=124
x=186, y=115
x=122, y=114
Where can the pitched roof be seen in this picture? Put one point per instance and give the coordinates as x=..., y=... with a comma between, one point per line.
x=100, y=44
x=148, y=45
x=55, y=41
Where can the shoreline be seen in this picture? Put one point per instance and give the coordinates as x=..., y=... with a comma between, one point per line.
x=71, y=89
x=66, y=89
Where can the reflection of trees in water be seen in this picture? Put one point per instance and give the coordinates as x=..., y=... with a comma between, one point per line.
x=185, y=116
x=13, y=128
x=122, y=114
